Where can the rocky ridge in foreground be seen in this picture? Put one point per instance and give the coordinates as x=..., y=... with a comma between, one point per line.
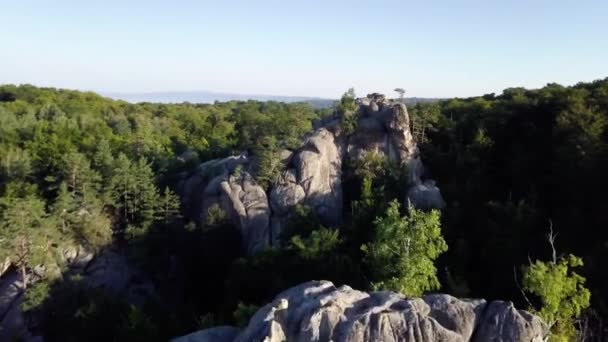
x=318, y=311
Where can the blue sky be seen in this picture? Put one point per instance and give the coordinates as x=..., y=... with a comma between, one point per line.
x=305, y=47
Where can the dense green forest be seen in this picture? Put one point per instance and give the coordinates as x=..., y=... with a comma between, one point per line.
x=80, y=169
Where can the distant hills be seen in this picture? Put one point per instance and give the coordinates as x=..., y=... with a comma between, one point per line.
x=211, y=97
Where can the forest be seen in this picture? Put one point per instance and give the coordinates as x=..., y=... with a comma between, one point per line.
x=522, y=174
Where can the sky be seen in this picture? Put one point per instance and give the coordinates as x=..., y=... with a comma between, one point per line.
x=303, y=48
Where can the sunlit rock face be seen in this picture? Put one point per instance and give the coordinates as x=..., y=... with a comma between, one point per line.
x=319, y=311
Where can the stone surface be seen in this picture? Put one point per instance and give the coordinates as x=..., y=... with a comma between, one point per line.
x=313, y=178
x=228, y=184
x=318, y=311
x=425, y=196
x=13, y=324
x=217, y=334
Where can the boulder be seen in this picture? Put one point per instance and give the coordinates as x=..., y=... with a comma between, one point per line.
x=218, y=334
x=318, y=311
x=425, y=196
x=111, y=271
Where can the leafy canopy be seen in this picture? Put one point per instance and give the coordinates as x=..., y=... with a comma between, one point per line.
x=561, y=291
x=403, y=252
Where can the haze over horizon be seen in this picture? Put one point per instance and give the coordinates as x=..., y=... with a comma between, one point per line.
x=309, y=49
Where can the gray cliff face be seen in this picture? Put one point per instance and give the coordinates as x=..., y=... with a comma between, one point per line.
x=318, y=311
x=312, y=175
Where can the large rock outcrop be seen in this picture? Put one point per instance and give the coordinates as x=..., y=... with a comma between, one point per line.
x=227, y=184
x=318, y=311
x=312, y=175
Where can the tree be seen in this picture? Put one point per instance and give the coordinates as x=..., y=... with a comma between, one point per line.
x=103, y=160
x=168, y=207
x=122, y=186
x=145, y=195
x=319, y=243
x=21, y=225
x=561, y=291
x=401, y=256
x=347, y=111
x=80, y=178
x=64, y=207
x=268, y=160
x=401, y=92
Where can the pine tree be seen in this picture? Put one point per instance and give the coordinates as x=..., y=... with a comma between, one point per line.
x=63, y=207
x=145, y=197
x=80, y=178
x=268, y=160
x=168, y=208
x=103, y=160
x=122, y=186
x=21, y=223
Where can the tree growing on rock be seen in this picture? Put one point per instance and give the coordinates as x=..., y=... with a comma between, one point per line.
x=268, y=160
x=347, y=110
x=402, y=254
x=401, y=93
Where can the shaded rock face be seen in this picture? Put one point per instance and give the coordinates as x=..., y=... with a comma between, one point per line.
x=312, y=175
x=318, y=311
x=106, y=270
x=227, y=183
x=13, y=324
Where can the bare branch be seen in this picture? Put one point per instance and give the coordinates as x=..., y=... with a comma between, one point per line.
x=519, y=287
x=551, y=238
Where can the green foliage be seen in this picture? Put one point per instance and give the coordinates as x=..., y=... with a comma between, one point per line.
x=76, y=168
x=268, y=160
x=562, y=292
x=348, y=111
x=303, y=222
x=215, y=216
x=319, y=243
x=168, y=207
x=243, y=313
x=35, y=296
x=206, y=321
x=69, y=310
x=401, y=257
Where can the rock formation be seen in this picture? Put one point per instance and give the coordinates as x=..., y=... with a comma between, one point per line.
x=312, y=175
x=318, y=311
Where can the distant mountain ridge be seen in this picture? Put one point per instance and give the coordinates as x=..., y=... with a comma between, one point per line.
x=211, y=97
